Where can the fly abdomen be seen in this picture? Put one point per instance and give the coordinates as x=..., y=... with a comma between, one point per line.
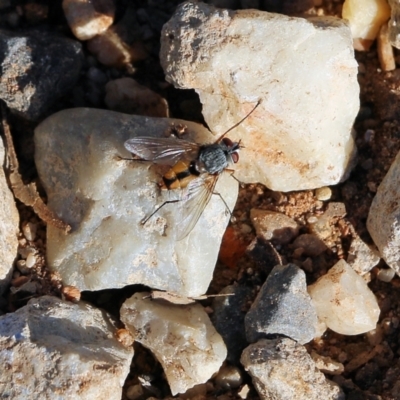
x=179, y=176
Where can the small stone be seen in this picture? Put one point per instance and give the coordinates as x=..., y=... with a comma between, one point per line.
x=385, y=50
x=282, y=306
x=118, y=45
x=88, y=18
x=37, y=52
x=327, y=365
x=365, y=17
x=124, y=337
x=21, y=265
x=386, y=275
x=310, y=244
x=30, y=261
x=127, y=96
x=71, y=293
x=29, y=229
x=344, y=302
x=383, y=217
x=274, y=226
x=71, y=343
x=323, y=194
x=229, y=377
x=361, y=257
x=282, y=369
x=79, y=151
x=244, y=392
x=322, y=228
x=197, y=44
x=182, y=339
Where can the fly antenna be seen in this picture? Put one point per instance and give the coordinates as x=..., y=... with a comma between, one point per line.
x=238, y=123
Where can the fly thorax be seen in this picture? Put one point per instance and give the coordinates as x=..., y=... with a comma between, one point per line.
x=213, y=158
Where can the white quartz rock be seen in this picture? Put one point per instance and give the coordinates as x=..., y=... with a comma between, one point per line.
x=105, y=198
x=301, y=70
x=182, y=339
x=52, y=349
x=344, y=301
x=384, y=217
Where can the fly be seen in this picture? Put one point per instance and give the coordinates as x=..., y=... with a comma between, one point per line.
x=194, y=170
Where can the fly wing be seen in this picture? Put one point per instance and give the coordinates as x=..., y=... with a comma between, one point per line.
x=164, y=151
x=195, y=199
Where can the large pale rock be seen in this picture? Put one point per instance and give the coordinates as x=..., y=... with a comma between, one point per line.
x=383, y=221
x=300, y=135
x=9, y=227
x=105, y=198
x=181, y=337
x=282, y=369
x=344, y=301
x=52, y=349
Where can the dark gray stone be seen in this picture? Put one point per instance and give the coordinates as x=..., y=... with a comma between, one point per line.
x=282, y=306
x=37, y=68
x=228, y=319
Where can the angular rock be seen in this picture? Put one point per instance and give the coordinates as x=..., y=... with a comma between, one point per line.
x=53, y=63
x=287, y=146
x=282, y=369
x=182, y=339
x=88, y=18
x=282, y=306
x=53, y=349
x=9, y=226
x=228, y=319
x=274, y=226
x=384, y=215
x=344, y=301
x=361, y=257
x=105, y=198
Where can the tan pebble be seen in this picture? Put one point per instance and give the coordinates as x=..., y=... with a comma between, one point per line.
x=30, y=260
x=323, y=194
x=29, y=230
x=124, y=337
x=71, y=293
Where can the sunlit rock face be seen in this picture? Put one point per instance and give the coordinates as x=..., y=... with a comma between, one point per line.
x=104, y=198
x=302, y=70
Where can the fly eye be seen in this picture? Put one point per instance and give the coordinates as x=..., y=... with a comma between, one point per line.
x=235, y=157
x=227, y=142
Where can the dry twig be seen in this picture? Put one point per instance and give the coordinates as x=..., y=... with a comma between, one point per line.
x=27, y=194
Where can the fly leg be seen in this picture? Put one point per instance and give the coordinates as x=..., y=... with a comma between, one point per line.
x=143, y=221
x=226, y=205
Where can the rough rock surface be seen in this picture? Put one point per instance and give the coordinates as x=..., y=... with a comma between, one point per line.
x=384, y=216
x=361, y=257
x=282, y=369
x=9, y=226
x=182, y=338
x=300, y=135
x=344, y=301
x=52, y=349
x=53, y=63
x=105, y=198
x=282, y=306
